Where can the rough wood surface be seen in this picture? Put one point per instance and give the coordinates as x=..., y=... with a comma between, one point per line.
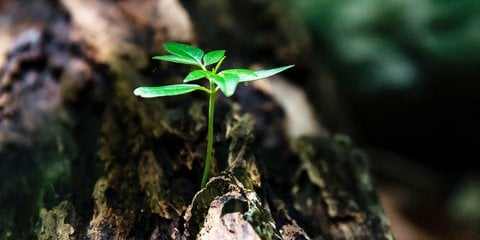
x=104, y=164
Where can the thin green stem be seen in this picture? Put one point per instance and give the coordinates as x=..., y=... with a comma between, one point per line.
x=211, y=113
x=215, y=70
x=205, y=89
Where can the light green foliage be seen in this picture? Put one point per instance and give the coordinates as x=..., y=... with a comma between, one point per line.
x=171, y=90
x=226, y=81
x=213, y=57
x=383, y=45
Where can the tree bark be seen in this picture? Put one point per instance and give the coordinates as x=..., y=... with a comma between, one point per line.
x=83, y=158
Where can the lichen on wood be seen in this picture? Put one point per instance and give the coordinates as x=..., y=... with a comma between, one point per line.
x=333, y=188
x=228, y=207
x=54, y=223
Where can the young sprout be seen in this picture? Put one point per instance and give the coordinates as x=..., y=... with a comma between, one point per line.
x=225, y=81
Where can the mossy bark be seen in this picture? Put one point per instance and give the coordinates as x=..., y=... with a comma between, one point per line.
x=132, y=167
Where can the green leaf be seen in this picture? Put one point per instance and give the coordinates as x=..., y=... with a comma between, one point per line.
x=168, y=90
x=213, y=57
x=195, y=75
x=227, y=83
x=232, y=78
x=239, y=72
x=263, y=74
x=231, y=81
x=176, y=59
x=186, y=51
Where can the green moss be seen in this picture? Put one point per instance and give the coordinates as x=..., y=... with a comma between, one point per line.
x=261, y=219
x=53, y=223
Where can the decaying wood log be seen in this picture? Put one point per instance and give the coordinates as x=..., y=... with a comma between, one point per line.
x=104, y=164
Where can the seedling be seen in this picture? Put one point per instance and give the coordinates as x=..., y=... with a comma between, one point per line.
x=225, y=81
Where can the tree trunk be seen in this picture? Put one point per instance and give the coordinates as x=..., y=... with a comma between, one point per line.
x=83, y=158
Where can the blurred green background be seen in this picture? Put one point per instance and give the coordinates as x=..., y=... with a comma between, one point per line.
x=408, y=72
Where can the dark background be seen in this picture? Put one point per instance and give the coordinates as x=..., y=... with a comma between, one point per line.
x=408, y=77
